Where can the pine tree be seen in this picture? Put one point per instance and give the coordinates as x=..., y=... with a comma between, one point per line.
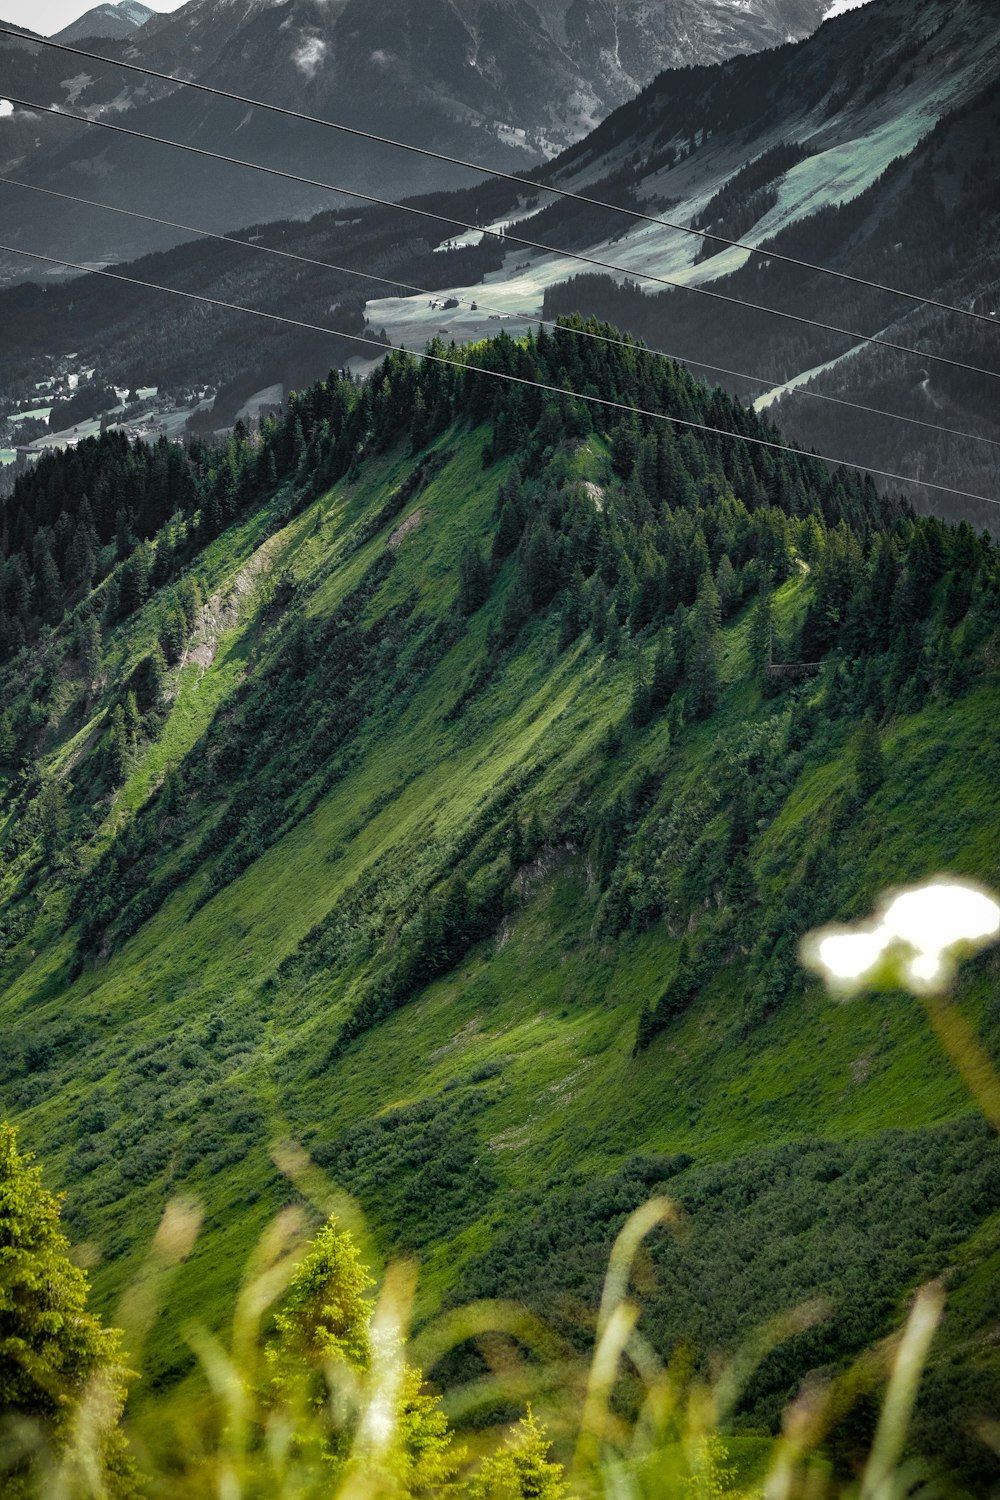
x=148, y=679
x=760, y=639
x=727, y=585
x=8, y=744
x=173, y=636
x=119, y=748
x=81, y=561
x=705, y=652
x=612, y=634
x=645, y=1031
x=189, y=597
x=133, y=719
x=88, y=646
x=54, y=1354
x=740, y=890
x=869, y=766
x=641, y=708
x=515, y=838
x=53, y=820
x=664, y=678
x=48, y=587
x=324, y=1316
x=325, y=1321
x=473, y=579
x=574, y=611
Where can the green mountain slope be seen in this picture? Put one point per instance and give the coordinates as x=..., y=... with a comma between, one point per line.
x=407, y=780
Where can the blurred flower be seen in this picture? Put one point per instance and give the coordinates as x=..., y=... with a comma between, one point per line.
x=913, y=942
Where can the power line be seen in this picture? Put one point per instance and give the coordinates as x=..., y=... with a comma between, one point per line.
x=505, y=237
x=394, y=282
x=525, y=182
x=461, y=364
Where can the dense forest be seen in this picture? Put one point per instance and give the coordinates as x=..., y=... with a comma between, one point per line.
x=443, y=772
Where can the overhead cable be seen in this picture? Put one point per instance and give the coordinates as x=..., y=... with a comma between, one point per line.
x=505, y=237
x=502, y=375
x=394, y=282
x=531, y=184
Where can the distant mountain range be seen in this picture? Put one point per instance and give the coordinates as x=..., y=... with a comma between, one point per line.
x=869, y=147
x=114, y=22
x=508, y=82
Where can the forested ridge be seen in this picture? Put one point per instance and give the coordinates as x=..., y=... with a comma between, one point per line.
x=415, y=774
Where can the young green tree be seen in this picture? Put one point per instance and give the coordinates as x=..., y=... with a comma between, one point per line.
x=173, y=635
x=56, y=1360
x=612, y=634
x=325, y=1321
x=664, y=678
x=515, y=837
x=324, y=1316
x=727, y=585
x=147, y=679
x=521, y=1469
x=189, y=597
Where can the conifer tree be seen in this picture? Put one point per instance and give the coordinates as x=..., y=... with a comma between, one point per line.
x=645, y=1030
x=324, y=1316
x=664, y=678
x=641, y=708
x=534, y=835
x=727, y=585
x=190, y=600
x=705, y=652
x=516, y=841
x=55, y=1357
x=612, y=634
x=53, y=819
x=173, y=636
x=8, y=744
x=573, y=610
x=760, y=641
x=119, y=747
x=869, y=767
x=88, y=646
x=325, y=1321
x=473, y=579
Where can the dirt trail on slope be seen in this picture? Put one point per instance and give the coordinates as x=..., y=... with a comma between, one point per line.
x=222, y=611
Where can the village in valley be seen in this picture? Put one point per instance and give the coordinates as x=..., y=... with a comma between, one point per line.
x=72, y=402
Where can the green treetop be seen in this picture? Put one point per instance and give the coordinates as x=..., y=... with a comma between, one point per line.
x=522, y=1469
x=325, y=1321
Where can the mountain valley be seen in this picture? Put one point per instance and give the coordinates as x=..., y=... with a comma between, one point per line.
x=454, y=659
x=438, y=810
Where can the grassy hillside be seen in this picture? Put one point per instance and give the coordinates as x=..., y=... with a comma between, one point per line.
x=432, y=805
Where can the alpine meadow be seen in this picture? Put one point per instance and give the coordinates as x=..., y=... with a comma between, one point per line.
x=420, y=1074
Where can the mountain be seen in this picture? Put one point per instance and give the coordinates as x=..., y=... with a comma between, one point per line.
x=111, y=22
x=442, y=777
x=830, y=150
x=504, y=81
